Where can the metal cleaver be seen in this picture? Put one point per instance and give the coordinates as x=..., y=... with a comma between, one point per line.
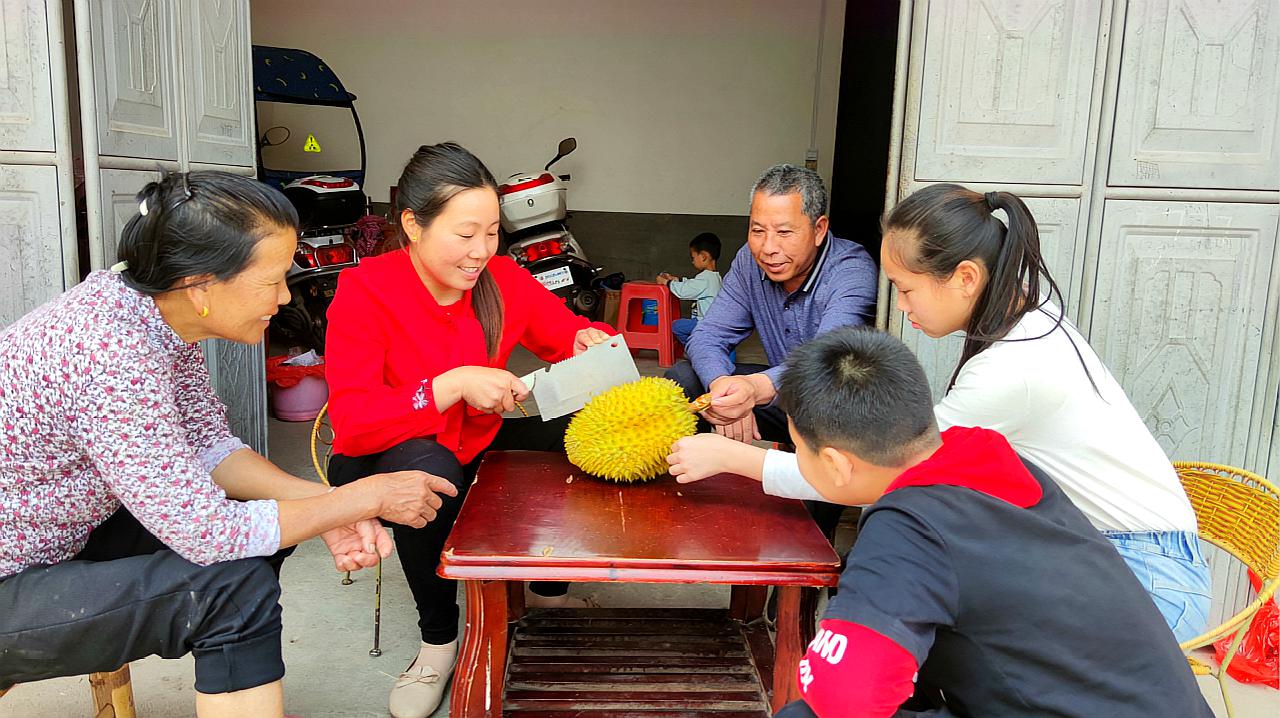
x=565, y=387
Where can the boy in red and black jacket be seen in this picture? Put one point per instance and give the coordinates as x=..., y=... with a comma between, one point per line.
x=976, y=588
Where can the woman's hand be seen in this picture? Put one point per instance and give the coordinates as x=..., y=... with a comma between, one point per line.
x=697, y=457
x=490, y=390
x=405, y=497
x=358, y=545
x=587, y=338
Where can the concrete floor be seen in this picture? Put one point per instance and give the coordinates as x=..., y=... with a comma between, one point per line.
x=328, y=629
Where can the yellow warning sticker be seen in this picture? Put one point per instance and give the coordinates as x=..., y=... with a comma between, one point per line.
x=311, y=145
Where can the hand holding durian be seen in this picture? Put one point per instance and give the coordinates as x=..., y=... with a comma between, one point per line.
x=625, y=433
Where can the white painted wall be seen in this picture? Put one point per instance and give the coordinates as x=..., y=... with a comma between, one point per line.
x=677, y=105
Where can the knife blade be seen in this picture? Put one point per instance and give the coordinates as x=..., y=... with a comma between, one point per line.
x=567, y=386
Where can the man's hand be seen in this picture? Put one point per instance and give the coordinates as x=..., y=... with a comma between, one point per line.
x=406, y=497
x=359, y=545
x=697, y=457
x=587, y=338
x=743, y=430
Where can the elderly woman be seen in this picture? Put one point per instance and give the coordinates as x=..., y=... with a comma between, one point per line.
x=132, y=522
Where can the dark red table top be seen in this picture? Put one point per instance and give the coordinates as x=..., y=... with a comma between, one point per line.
x=534, y=516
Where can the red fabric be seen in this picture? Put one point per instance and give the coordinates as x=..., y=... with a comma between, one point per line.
x=850, y=670
x=285, y=376
x=388, y=338
x=978, y=459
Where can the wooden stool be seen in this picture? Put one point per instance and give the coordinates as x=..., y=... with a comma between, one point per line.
x=643, y=336
x=112, y=694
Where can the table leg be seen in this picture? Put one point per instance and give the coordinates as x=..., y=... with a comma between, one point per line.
x=482, y=664
x=515, y=600
x=789, y=650
x=746, y=603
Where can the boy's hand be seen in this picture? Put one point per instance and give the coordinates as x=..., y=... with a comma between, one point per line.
x=664, y=279
x=697, y=457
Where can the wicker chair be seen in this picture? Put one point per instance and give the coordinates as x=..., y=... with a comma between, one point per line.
x=112, y=694
x=322, y=435
x=1239, y=512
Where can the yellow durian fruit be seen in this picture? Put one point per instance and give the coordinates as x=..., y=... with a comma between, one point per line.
x=626, y=433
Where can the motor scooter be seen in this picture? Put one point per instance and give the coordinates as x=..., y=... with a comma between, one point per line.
x=328, y=209
x=533, y=211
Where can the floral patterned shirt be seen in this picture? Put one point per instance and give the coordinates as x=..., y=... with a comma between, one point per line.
x=103, y=405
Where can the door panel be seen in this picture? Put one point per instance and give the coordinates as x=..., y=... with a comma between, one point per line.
x=1006, y=89
x=30, y=239
x=1178, y=316
x=1199, y=95
x=217, y=81
x=133, y=78
x=26, y=102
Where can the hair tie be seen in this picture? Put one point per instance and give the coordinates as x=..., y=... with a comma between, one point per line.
x=142, y=207
x=991, y=201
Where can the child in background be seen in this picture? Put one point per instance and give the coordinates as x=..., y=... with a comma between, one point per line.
x=704, y=250
x=975, y=583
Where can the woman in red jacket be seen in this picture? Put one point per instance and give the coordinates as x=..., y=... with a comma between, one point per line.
x=417, y=342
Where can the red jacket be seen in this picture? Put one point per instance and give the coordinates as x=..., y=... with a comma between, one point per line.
x=388, y=339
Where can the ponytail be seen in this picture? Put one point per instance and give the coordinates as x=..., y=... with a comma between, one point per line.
x=950, y=224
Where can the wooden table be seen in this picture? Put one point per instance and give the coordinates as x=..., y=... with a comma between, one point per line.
x=534, y=516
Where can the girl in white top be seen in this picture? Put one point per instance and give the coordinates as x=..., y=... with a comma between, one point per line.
x=1026, y=372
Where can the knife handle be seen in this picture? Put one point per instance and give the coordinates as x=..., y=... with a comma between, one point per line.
x=701, y=403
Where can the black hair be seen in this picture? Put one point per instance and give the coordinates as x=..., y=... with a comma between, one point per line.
x=859, y=390
x=198, y=223
x=706, y=242
x=946, y=224
x=432, y=177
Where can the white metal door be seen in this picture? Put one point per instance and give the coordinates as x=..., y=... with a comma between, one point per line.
x=218, y=85
x=1178, y=317
x=134, y=71
x=26, y=102
x=30, y=239
x=1006, y=90
x=1199, y=98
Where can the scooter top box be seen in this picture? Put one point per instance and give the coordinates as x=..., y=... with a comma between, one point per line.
x=531, y=199
x=326, y=201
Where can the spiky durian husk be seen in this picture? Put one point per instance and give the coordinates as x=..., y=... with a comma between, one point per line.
x=626, y=433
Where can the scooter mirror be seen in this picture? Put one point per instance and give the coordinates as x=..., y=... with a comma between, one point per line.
x=567, y=145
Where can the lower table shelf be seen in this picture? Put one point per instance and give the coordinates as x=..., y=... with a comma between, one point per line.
x=651, y=663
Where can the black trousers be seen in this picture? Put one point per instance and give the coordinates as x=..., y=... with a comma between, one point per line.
x=419, y=549
x=772, y=424
x=126, y=596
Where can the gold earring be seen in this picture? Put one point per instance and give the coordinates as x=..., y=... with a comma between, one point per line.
x=204, y=312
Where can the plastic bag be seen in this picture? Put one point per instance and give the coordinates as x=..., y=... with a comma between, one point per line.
x=1257, y=660
x=286, y=375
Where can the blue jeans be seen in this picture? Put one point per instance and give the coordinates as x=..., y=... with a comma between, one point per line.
x=682, y=328
x=1171, y=566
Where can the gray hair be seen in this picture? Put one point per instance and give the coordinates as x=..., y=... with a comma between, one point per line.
x=789, y=179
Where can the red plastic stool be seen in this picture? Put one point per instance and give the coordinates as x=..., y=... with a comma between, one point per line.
x=642, y=336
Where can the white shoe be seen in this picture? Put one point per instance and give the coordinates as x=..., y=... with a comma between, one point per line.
x=418, y=691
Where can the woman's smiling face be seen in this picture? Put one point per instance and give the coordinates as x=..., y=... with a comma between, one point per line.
x=451, y=251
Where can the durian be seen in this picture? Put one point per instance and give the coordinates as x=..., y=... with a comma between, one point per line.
x=626, y=433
